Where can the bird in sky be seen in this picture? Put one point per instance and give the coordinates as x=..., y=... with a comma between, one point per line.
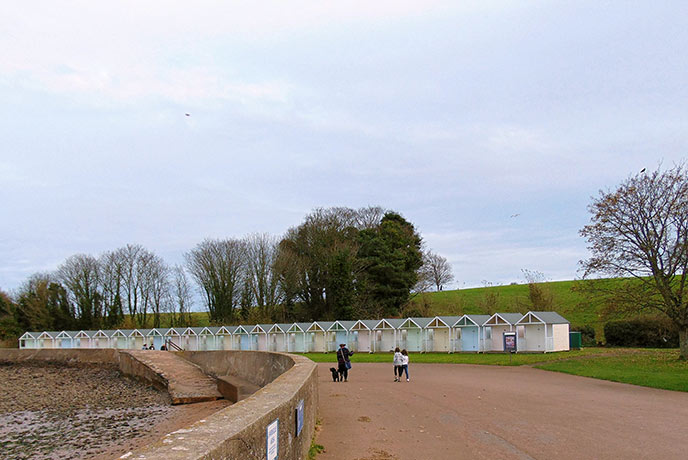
x=642, y=170
x=515, y=215
x=187, y=114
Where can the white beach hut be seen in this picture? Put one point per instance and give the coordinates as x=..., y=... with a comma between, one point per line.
x=28, y=340
x=259, y=337
x=277, y=337
x=243, y=337
x=438, y=333
x=316, y=340
x=46, y=339
x=385, y=332
x=495, y=327
x=361, y=336
x=172, y=337
x=543, y=331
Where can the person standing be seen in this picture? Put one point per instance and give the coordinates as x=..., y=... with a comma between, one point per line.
x=343, y=361
x=398, y=361
x=404, y=364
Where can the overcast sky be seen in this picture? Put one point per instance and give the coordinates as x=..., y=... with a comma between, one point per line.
x=458, y=115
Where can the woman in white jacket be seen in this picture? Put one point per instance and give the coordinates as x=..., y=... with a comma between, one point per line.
x=404, y=364
x=398, y=361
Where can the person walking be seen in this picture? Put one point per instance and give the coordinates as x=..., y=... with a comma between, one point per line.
x=398, y=361
x=343, y=361
x=404, y=364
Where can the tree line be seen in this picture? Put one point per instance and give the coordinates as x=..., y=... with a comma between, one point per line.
x=339, y=263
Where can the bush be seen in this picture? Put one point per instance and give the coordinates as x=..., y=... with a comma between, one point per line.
x=587, y=335
x=650, y=333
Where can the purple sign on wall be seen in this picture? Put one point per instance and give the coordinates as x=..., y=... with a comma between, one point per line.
x=510, y=342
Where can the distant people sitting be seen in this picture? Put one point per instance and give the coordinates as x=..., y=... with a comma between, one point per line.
x=152, y=347
x=144, y=347
x=163, y=347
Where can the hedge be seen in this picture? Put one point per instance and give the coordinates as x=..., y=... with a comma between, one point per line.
x=650, y=333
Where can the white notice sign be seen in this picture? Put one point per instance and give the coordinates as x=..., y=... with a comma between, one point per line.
x=272, y=440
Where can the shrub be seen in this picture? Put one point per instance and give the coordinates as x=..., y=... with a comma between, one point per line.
x=587, y=334
x=651, y=333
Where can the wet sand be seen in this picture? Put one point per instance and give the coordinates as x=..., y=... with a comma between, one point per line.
x=54, y=411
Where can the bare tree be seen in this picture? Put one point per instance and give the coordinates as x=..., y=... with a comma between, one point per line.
x=436, y=271
x=159, y=285
x=218, y=268
x=111, y=275
x=261, y=253
x=640, y=232
x=182, y=298
x=80, y=274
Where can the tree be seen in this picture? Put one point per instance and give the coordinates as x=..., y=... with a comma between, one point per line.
x=80, y=274
x=640, y=232
x=182, y=298
x=390, y=256
x=43, y=305
x=436, y=271
x=111, y=278
x=218, y=268
x=261, y=253
x=9, y=329
x=540, y=297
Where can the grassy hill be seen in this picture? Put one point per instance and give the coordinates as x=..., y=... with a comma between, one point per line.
x=569, y=303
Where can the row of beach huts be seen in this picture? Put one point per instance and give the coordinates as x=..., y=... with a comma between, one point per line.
x=535, y=332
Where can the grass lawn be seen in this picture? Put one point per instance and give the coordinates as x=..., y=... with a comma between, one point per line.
x=648, y=367
x=494, y=359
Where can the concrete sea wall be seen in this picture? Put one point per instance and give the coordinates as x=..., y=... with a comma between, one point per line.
x=288, y=395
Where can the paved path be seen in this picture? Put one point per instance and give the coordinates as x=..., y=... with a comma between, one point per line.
x=451, y=411
x=186, y=383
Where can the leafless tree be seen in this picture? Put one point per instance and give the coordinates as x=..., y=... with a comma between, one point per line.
x=640, y=232
x=80, y=274
x=159, y=286
x=261, y=252
x=218, y=268
x=436, y=271
x=182, y=298
x=111, y=276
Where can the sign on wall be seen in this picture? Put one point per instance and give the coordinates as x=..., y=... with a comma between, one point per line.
x=272, y=440
x=510, y=342
x=299, y=417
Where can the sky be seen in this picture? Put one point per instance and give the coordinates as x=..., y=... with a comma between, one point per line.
x=490, y=125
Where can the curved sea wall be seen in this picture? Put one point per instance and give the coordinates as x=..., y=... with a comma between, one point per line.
x=279, y=418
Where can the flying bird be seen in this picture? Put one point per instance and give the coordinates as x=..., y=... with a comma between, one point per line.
x=515, y=215
x=642, y=170
x=187, y=114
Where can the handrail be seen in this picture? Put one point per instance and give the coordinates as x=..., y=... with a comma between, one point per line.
x=170, y=343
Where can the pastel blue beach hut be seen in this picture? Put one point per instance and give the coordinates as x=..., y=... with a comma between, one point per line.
x=259, y=337
x=361, y=335
x=244, y=337
x=223, y=338
x=411, y=334
x=206, y=339
x=173, y=335
x=342, y=333
x=65, y=339
x=439, y=333
x=296, y=337
x=211, y=335
x=385, y=332
x=469, y=332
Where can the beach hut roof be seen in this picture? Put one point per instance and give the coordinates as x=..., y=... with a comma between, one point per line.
x=346, y=324
x=366, y=323
x=417, y=322
x=546, y=317
x=260, y=328
x=504, y=318
x=283, y=327
x=301, y=326
x=215, y=330
x=119, y=333
x=155, y=331
x=64, y=335
x=231, y=329
x=472, y=320
x=28, y=335
x=173, y=331
x=242, y=329
x=49, y=334
x=448, y=321
x=389, y=323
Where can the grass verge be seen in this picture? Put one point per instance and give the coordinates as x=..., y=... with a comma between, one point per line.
x=653, y=368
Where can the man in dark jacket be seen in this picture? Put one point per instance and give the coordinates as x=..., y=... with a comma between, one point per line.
x=343, y=360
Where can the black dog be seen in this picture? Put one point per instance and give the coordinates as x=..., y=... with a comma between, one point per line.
x=335, y=374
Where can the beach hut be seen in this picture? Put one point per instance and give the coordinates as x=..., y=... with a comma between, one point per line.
x=336, y=334
x=316, y=337
x=438, y=334
x=296, y=337
x=223, y=338
x=119, y=339
x=65, y=339
x=411, y=334
x=243, y=337
x=343, y=334
x=135, y=339
x=172, y=337
x=495, y=327
x=543, y=331
x=277, y=337
x=28, y=340
x=361, y=336
x=82, y=339
x=156, y=337
x=385, y=333
x=100, y=338
x=46, y=339
x=259, y=337
x=206, y=339
x=233, y=342
x=468, y=332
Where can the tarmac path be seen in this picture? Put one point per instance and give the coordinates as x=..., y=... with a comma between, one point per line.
x=455, y=411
